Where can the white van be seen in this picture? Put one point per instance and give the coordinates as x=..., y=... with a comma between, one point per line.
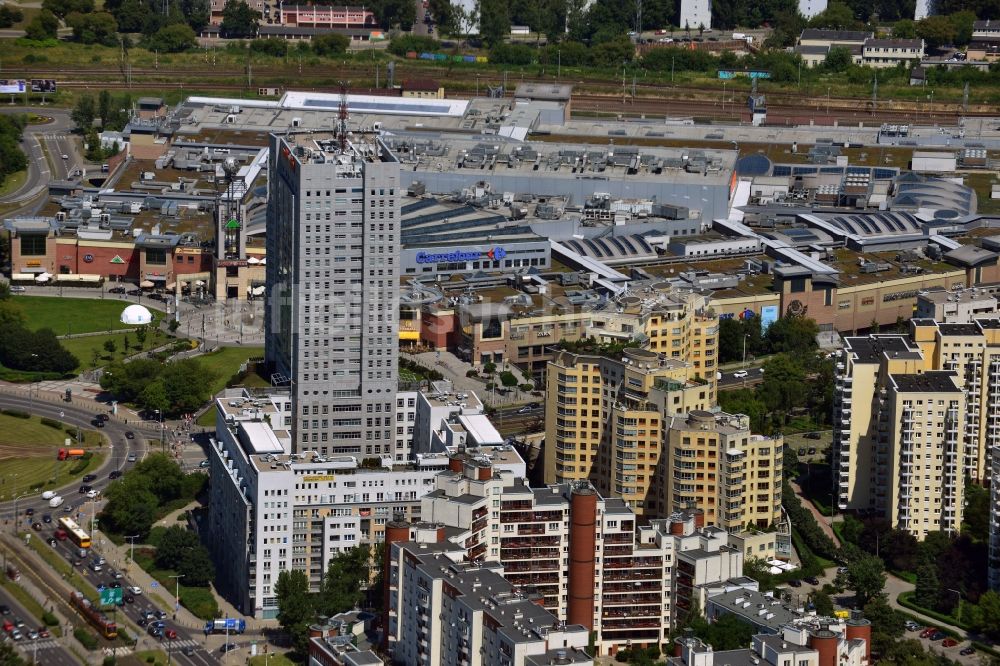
x=48, y=494
x=55, y=501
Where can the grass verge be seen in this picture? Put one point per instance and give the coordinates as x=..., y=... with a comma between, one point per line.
x=22, y=597
x=159, y=657
x=64, y=568
x=13, y=183
x=225, y=364
x=91, y=352
x=28, y=450
x=272, y=659
x=906, y=600
x=198, y=600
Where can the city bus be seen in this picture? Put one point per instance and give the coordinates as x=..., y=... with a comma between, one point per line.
x=74, y=533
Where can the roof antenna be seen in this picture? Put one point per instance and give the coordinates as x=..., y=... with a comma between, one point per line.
x=342, y=116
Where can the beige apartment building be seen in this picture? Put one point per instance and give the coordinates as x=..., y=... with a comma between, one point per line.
x=715, y=464
x=604, y=419
x=640, y=428
x=915, y=416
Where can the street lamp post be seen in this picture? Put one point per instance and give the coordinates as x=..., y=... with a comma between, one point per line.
x=16, y=515
x=177, y=592
x=159, y=416
x=131, y=554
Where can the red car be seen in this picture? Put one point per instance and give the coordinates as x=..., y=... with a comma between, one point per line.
x=949, y=642
x=170, y=634
x=928, y=632
x=8, y=626
x=43, y=632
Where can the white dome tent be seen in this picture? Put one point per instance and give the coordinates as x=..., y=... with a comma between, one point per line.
x=136, y=315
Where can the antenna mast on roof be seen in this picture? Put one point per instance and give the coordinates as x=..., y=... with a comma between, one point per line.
x=342, y=116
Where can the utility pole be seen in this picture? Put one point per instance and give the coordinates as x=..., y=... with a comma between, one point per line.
x=875, y=93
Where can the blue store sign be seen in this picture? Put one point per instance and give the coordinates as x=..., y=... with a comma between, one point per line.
x=459, y=256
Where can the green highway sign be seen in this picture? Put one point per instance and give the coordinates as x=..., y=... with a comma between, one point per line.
x=111, y=596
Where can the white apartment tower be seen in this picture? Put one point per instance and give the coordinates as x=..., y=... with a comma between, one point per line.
x=695, y=14
x=332, y=271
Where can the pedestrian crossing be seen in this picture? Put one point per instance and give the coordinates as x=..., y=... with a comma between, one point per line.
x=40, y=644
x=184, y=643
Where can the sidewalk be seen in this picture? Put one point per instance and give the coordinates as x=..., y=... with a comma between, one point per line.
x=824, y=522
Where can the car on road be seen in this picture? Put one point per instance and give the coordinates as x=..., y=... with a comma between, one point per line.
x=117, y=575
x=949, y=642
x=740, y=374
x=228, y=647
x=811, y=451
x=795, y=583
x=812, y=580
x=65, y=156
x=48, y=494
x=19, y=623
x=134, y=589
x=812, y=435
x=47, y=518
x=131, y=457
x=187, y=650
x=115, y=584
x=115, y=474
x=8, y=626
x=77, y=561
x=204, y=463
x=4, y=609
x=29, y=511
x=32, y=635
x=16, y=634
x=84, y=489
x=170, y=634
x=129, y=434
x=43, y=632
x=926, y=633
x=95, y=567
x=92, y=494
x=162, y=615
x=89, y=477
x=524, y=410
x=154, y=631
x=98, y=558
x=17, y=289
x=966, y=651
x=128, y=598
x=36, y=526
x=116, y=290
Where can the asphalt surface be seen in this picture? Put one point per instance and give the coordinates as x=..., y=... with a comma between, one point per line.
x=49, y=650
x=58, y=142
x=730, y=380
x=84, y=510
x=75, y=415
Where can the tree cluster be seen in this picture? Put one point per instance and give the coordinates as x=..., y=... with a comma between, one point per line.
x=26, y=350
x=945, y=566
x=174, y=388
x=9, y=16
x=239, y=20
x=343, y=589
x=12, y=158
x=147, y=17
x=94, y=28
x=134, y=499
x=111, y=110
x=803, y=522
x=44, y=26
x=180, y=550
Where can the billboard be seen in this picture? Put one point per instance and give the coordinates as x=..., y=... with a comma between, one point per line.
x=768, y=315
x=43, y=85
x=11, y=86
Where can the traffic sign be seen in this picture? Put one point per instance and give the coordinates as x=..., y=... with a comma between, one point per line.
x=154, y=584
x=111, y=596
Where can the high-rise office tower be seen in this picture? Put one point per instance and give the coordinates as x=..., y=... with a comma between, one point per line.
x=332, y=275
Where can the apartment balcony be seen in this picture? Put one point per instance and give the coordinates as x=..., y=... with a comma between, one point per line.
x=631, y=601
x=513, y=566
x=633, y=575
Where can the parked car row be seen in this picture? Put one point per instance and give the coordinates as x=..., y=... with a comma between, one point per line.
x=934, y=634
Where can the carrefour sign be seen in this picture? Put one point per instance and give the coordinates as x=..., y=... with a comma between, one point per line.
x=460, y=256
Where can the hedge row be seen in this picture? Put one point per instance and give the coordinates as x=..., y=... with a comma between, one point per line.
x=87, y=639
x=15, y=413
x=52, y=423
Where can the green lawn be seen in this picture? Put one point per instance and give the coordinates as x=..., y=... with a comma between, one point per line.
x=272, y=659
x=83, y=348
x=74, y=315
x=159, y=658
x=28, y=455
x=227, y=361
x=13, y=182
x=198, y=600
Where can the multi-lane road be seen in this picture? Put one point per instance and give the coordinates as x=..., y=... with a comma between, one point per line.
x=187, y=640
x=47, y=650
x=45, y=146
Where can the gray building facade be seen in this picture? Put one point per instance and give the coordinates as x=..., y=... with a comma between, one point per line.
x=331, y=325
